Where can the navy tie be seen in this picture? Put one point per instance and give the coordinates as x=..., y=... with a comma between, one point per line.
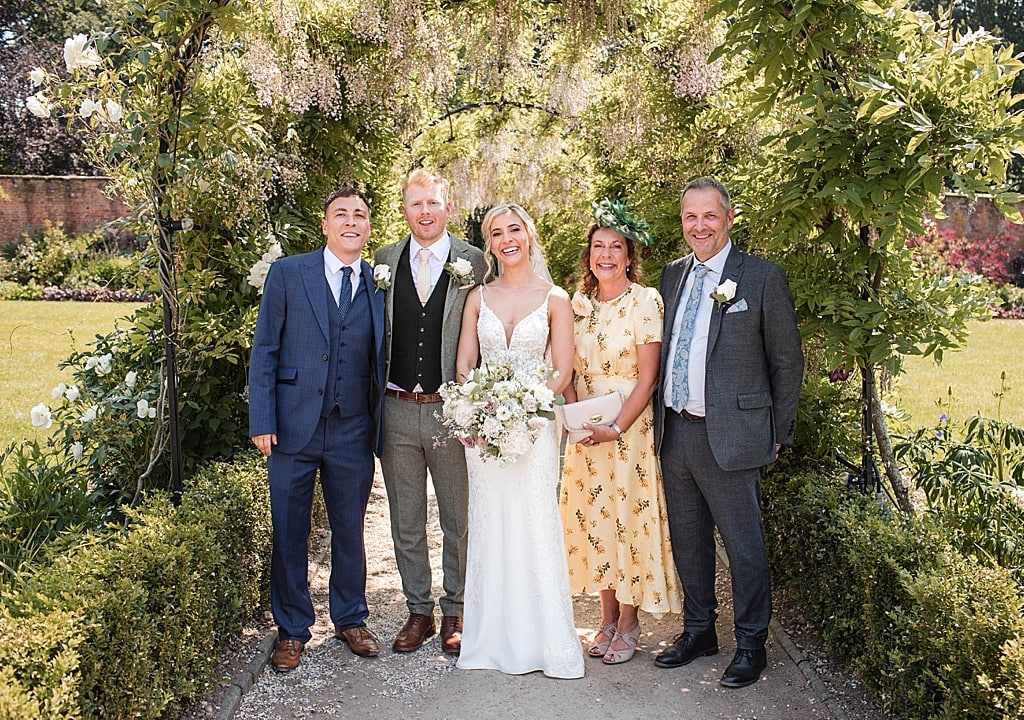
x=345, y=294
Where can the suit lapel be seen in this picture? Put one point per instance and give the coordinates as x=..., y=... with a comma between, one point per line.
x=457, y=252
x=733, y=271
x=391, y=259
x=376, y=307
x=313, y=279
x=673, y=292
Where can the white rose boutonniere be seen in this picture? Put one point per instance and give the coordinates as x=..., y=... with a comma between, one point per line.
x=461, y=271
x=581, y=304
x=724, y=292
x=382, y=276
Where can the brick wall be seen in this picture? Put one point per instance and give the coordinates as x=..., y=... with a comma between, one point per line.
x=977, y=219
x=78, y=202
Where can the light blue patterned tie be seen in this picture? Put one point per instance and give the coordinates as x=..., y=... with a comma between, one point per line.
x=345, y=294
x=681, y=361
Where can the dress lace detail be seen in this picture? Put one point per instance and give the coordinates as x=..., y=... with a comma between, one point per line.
x=518, y=607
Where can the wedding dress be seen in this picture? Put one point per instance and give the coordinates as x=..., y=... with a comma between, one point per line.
x=518, y=608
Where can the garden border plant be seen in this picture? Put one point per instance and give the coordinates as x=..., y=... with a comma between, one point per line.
x=129, y=624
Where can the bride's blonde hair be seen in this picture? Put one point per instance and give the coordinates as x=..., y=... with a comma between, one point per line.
x=537, y=261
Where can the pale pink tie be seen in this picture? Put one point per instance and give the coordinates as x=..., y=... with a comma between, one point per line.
x=423, y=276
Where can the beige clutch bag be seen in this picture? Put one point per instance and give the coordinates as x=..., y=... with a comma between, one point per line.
x=599, y=410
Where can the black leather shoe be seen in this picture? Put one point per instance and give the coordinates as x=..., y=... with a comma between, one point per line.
x=688, y=647
x=745, y=668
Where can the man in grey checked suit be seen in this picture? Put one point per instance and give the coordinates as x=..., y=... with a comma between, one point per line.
x=431, y=275
x=732, y=366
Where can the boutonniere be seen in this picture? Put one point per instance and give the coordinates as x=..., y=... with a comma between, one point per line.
x=581, y=304
x=724, y=292
x=382, y=276
x=461, y=271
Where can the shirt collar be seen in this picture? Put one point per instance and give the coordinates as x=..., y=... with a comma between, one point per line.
x=440, y=248
x=334, y=264
x=716, y=264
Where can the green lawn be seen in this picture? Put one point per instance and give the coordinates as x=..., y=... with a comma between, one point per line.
x=972, y=374
x=34, y=338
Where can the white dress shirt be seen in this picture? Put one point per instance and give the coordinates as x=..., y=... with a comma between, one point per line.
x=332, y=270
x=701, y=328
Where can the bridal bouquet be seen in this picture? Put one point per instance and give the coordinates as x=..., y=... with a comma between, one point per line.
x=502, y=412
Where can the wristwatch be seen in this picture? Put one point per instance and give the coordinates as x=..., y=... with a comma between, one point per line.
x=616, y=428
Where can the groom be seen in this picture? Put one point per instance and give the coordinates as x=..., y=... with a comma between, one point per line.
x=315, y=400
x=431, y=273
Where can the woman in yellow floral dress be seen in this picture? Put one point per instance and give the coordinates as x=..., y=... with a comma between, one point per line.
x=612, y=502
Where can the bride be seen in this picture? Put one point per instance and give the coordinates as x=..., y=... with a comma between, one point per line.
x=518, y=607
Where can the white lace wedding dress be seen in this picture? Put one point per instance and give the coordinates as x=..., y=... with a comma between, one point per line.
x=518, y=607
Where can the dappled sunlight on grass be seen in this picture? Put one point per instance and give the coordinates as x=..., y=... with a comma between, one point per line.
x=973, y=375
x=33, y=340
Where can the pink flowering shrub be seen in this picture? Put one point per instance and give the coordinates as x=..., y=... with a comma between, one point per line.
x=942, y=252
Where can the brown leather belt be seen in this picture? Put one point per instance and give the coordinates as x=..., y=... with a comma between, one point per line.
x=689, y=415
x=414, y=397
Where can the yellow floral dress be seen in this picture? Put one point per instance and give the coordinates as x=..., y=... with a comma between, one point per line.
x=611, y=499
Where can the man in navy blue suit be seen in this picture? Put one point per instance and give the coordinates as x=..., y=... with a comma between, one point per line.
x=316, y=382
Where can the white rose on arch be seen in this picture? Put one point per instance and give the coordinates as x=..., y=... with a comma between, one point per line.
x=77, y=54
x=38, y=105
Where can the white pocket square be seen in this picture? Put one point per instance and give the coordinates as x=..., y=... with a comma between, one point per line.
x=738, y=306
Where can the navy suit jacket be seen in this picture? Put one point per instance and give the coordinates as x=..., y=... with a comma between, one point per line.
x=290, y=352
x=754, y=364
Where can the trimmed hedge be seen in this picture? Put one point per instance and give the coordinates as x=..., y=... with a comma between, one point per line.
x=932, y=633
x=129, y=624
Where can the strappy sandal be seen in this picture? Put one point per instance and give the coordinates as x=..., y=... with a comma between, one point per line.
x=631, y=638
x=600, y=648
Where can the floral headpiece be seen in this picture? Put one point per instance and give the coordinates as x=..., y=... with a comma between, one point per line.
x=615, y=215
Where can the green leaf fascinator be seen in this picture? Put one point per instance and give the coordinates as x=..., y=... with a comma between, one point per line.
x=615, y=215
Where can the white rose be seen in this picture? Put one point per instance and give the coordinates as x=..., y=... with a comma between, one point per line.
x=88, y=107
x=381, y=272
x=491, y=428
x=37, y=76
x=114, y=112
x=103, y=364
x=143, y=410
x=77, y=55
x=77, y=450
x=258, y=274
x=725, y=292
x=516, y=443
x=58, y=390
x=274, y=251
x=41, y=416
x=73, y=393
x=129, y=379
x=38, y=105
x=464, y=415
x=462, y=266
x=90, y=414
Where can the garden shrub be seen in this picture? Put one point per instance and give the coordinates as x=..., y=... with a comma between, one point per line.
x=10, y=290
x=149, y=605
x=935, y=634
x=39, y=676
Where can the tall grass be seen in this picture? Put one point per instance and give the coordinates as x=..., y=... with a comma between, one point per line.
x=34, y=338
x=967, y=380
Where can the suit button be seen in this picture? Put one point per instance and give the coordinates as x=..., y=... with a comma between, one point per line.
x=319, y=391
x=324, y=358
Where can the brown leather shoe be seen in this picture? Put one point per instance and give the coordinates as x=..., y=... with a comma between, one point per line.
x=417, y=629
x=451, y=634
x=360, y=641
x=286, y=655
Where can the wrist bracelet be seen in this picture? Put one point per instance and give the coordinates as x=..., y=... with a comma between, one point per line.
x=616, y=428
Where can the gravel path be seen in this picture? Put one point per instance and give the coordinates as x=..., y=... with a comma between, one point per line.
x=801, y=682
